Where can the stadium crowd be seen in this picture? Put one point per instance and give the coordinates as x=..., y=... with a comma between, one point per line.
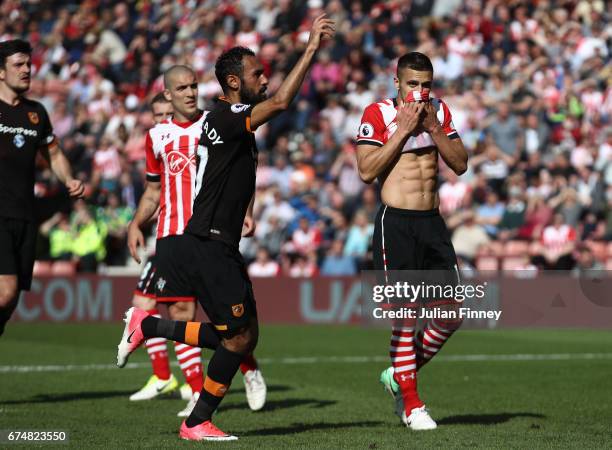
x=528, y=83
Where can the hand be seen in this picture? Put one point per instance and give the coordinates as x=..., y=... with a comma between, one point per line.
x=430, y=121
x=322, y=28
x=75, y=188
x=248, y=227
x=135, y=239
x=408, y=116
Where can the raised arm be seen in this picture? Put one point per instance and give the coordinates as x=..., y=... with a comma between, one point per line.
x=322, y=28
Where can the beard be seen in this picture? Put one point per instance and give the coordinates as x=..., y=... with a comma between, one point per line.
x=20, y=88
x=249, y=96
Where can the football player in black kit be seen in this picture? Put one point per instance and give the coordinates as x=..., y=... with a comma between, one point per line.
x=208, y=261
x=25, y=130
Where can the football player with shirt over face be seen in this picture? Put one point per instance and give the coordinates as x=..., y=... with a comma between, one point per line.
x=398, y=143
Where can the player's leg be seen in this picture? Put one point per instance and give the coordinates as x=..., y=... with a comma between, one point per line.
x=189, y=357
x=254, y=383
x=226, y=294
x=222, y=368
x=396, y=248
x=162, y=381
x=17, y=252
x=9, y=296
x=441, y=261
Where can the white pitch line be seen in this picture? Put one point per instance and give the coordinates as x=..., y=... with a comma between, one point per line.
x=325, y=359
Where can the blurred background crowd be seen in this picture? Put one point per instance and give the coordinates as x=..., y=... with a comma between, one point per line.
x=528, y=84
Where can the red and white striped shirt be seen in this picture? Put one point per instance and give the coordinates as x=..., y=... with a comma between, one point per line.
x=378, y=125
x=171, y=159
x=554, y=239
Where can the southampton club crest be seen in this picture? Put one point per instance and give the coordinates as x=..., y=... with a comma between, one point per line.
x=161, y=283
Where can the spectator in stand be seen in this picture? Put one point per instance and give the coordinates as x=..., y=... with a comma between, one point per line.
x=490, y=214
x=57, y=230
x=263, y=266
x=528, y=84
x=504, y=130
x=115, y=218
x=469, y=237
x=306, y=238
x=454, y=194
x=537, y=216
x=586, y=264
x=304, y=266
x=359, y=236
x=338, y=263
x=514, y=215
x=494, y=165
x=557, y=245
x=88, y=245
x=107, y=166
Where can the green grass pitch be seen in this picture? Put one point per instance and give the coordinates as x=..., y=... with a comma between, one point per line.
x=322, y=398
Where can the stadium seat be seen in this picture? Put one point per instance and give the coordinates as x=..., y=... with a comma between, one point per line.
x=65, y=268
x=513, y=263
x=516, y=248
x=487, y=263
x=496, y=247
x=42, y=268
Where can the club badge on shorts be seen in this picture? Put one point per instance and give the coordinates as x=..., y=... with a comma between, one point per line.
x=238, y=310
x=33, y=116
x=161, y=283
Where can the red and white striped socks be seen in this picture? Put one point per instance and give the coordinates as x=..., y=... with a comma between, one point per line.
x=432, y=338
x=190, y=362
x=248, y=363
x=403, y=360
x=158, y=353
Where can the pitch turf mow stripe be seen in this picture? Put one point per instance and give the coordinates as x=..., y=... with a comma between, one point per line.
x=327, y=359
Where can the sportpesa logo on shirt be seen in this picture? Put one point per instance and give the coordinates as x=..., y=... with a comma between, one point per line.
x=17, y=130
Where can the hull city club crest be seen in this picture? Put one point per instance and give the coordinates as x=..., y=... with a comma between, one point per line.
x=33, y=117
x=238, y=310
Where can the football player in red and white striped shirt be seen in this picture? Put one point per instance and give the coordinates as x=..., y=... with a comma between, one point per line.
x=170, y=161
x=398, y=143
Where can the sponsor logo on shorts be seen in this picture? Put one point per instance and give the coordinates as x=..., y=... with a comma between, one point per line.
x=33, y=117
x=238, y=310
x=214, y=231
x=161, y=283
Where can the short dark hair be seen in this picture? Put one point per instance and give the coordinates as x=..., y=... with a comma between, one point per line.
x=9, y=48
x=415, y=61
x=230, y=63
x=159, y=98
